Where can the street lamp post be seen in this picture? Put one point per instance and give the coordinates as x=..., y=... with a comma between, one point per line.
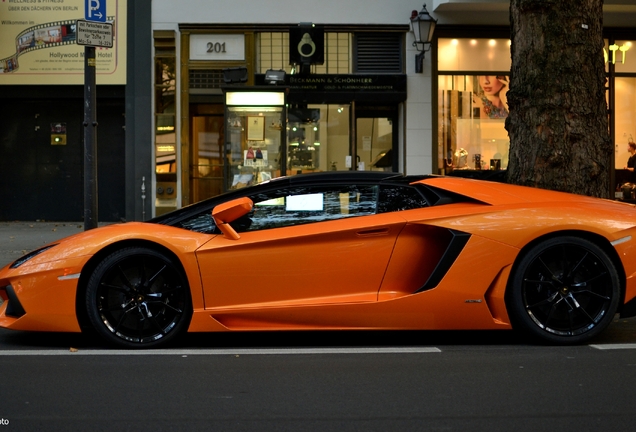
x=423, y=27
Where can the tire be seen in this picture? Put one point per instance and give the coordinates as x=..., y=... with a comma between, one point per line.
x=564, y=290
x=138, y=298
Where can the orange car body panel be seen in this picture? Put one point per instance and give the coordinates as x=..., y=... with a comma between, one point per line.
x=451, y=305
x=353, y=273
x=306, y=264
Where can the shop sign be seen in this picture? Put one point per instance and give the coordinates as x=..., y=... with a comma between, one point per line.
x=306, y=44
x=342, y=83
x=217, y=47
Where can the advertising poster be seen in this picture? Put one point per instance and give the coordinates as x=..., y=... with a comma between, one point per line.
x=38, y=43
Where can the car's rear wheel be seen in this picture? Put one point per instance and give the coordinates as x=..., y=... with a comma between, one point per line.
x=138, y=298
x=564, y=290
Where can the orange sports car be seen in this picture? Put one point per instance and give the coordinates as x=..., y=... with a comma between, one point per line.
x=340, y=250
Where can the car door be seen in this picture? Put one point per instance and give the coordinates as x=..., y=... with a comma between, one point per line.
x=302, y=246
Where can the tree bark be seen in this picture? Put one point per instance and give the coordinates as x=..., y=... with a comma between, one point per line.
x=558, y=124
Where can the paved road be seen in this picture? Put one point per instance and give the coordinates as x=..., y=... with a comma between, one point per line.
x=374, y=381
x=18, y=238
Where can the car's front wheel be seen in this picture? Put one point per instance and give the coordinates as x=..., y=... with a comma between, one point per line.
x=564, y=290
x=138, y=297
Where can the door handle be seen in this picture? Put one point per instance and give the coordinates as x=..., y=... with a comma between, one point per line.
x=373, y=232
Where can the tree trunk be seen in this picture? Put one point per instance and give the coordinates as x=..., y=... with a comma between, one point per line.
x=558, y=124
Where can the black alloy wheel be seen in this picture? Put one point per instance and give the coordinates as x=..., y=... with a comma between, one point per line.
x=138, y=298
x=565, y=290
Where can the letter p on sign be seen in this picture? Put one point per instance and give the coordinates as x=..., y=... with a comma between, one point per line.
x=95, y=10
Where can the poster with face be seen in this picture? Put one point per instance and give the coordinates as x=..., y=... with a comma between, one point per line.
x=490, y=96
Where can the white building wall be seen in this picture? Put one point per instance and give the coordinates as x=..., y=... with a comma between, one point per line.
x=419, y=114
x=169, y=12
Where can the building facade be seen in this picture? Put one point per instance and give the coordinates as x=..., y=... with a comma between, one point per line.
x=344, y=103
x=216, y=96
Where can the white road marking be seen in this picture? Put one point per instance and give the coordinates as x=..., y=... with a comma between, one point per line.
x=223, y=351
x=615, y=346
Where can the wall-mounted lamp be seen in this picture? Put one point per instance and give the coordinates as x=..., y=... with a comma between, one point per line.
x=235, y=75
x=275, y=76
x=423, y=27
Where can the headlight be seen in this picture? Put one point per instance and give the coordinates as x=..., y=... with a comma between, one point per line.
x=17, y=263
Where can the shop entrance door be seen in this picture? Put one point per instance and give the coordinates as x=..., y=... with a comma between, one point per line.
x=376, y=144
x=207, y=166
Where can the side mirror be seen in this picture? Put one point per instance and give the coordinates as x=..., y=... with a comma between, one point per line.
x=225, y=213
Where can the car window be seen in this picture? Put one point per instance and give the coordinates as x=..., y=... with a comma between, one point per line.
x=398, y=198
x=308, y=204
x=203, y=223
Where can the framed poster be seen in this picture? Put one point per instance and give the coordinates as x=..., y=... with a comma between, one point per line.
x=38, y=42
x=256, y=128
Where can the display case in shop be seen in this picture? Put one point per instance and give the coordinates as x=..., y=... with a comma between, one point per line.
x=482, y=144
x=255, y=132
x=254, y=139
x=303, y=140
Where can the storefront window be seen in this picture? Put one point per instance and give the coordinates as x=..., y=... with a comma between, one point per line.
x=165, y=137
x=254, y=144
x=472, y=106
x=622, y=55
x=165, y=124
x=318, y=139
x=303, y=139
x=624, y=119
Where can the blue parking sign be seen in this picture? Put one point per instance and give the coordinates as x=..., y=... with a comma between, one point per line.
x=95, y=10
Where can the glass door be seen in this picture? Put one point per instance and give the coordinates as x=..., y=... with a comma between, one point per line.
x=376, y=140
x=207, y=162
x=318, y=138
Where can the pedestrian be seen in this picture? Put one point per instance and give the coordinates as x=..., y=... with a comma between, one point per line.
x=631, y=162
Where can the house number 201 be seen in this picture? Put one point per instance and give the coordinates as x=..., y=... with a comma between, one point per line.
x=216, y=47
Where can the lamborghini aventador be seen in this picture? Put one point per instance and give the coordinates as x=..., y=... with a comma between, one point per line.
x=340, y=250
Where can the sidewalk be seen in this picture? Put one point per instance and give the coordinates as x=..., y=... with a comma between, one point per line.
x=18, y=238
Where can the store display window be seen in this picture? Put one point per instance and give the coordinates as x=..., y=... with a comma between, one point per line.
x=472, y=113
x=255, y=130
x=624, y=121
x=622, y=55
x=254, y=144
x=472, y=106
x=317, y=138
